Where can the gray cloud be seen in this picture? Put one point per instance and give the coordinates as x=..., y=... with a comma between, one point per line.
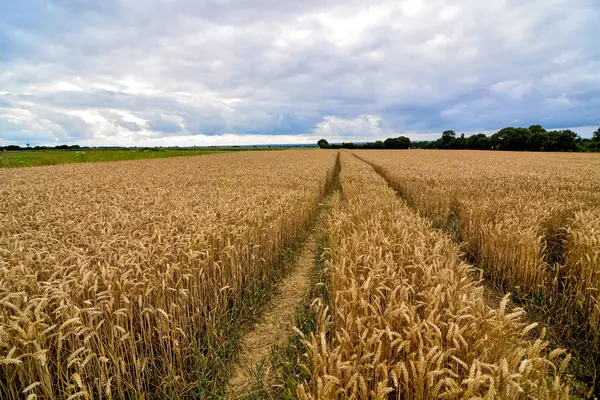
x=123, y=71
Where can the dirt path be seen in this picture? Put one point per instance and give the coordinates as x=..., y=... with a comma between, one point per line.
x=276, y=325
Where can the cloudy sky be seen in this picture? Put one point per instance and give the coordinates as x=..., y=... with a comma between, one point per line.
x=200, y=72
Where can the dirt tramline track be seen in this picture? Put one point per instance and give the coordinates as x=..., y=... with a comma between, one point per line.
x=275, y=327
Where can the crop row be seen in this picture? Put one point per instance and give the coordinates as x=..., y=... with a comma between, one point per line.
x=530, y=221
x=405, y=317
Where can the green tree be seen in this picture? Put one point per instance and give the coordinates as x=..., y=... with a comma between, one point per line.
x=401, y=142
x=537, y=136
x=448, y=140
x=461, y=142
x=562, y=140
x=373, y=145
x=323, y=143
x=513, y=139
x=596, y=136
x=537, y=129
x=479, y=142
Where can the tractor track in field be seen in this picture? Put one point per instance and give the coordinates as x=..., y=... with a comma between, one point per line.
x=494, y=294
x=276, y=325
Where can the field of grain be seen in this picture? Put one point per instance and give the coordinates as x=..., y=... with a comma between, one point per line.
x=406, y=320
x=121, y=278
x=143, y=279
x=530, y=221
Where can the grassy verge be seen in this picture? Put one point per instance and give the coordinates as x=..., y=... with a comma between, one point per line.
x=33, y=158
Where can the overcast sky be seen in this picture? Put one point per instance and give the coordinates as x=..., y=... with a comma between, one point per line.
x=193, y=72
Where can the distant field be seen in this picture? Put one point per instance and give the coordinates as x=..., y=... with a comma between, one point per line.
x=32, y=158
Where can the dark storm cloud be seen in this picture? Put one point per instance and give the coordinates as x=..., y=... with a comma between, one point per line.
x=121, y=71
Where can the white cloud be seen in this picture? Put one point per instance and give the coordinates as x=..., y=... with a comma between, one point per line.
x=120, y=71
x=412, y=8
x=511, y=88
x=454, y=110
x=363, y=126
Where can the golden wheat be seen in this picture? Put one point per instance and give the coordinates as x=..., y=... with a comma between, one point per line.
x=406, y=320
x=113, y=276
x=510, y=207
x=531, y=221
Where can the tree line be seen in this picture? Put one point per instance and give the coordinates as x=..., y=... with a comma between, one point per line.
x=534, y=138
x=400, y=142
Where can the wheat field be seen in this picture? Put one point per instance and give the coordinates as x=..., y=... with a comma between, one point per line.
x=406, y=319
x=137, y=279
x=531, y=221
x=114, y=278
